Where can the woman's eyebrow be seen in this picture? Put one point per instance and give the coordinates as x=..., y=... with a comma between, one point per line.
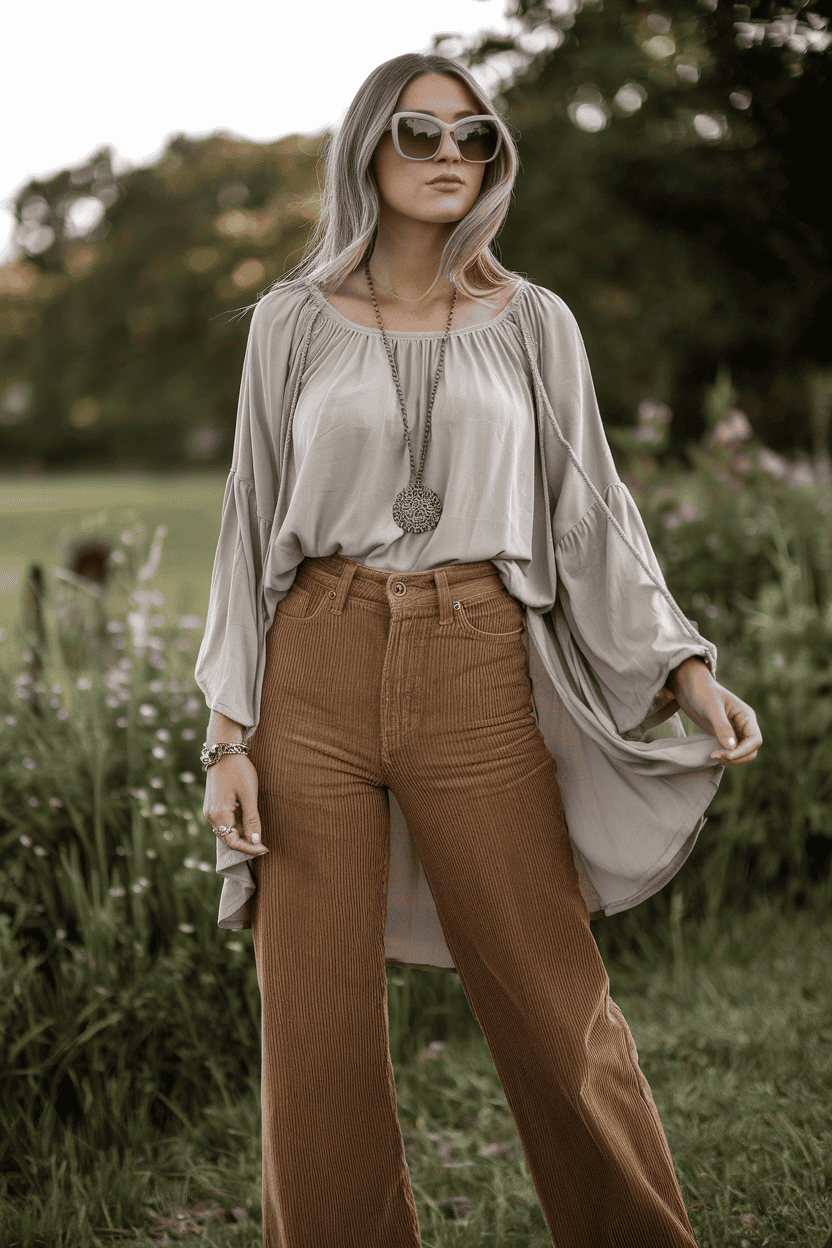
x=466, y=112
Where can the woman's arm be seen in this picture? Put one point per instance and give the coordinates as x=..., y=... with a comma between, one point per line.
x=230, y=652
x=221, y=728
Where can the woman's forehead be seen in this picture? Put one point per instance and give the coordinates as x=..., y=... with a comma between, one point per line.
x=438, y=93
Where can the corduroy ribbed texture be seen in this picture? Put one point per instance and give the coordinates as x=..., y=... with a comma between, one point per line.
x=427, y=692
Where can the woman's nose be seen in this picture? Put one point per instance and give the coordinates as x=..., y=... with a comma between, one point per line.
x=449, y=149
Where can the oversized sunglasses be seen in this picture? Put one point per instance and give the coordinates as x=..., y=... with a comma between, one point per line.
x=418, y=136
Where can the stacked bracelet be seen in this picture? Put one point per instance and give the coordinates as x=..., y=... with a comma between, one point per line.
x=211, y=754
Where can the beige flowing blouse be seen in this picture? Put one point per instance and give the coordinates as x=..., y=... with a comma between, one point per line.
x=519, y=457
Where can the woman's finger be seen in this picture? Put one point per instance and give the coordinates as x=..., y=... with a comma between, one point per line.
x=749, y=737
x=248, y=822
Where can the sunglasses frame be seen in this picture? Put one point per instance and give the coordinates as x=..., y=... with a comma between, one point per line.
x=446, y=128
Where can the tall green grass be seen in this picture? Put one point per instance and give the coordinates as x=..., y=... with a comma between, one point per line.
x=730, y=1033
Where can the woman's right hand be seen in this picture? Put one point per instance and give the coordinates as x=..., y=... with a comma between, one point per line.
x=231, y=787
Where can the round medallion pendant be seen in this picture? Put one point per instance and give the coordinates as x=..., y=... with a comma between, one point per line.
x=417, y=509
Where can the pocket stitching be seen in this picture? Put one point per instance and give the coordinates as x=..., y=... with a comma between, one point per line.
x=304, y=619
x=478, y=632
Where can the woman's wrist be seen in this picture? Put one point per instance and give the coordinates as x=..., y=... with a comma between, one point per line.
x=221, y=728
x=680, y=672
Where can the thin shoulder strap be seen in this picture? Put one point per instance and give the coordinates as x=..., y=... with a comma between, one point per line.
x=543, y=402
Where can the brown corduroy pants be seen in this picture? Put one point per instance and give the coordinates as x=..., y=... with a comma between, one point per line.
x=419, y=682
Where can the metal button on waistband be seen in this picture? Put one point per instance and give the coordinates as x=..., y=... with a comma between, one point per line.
x=399, y=588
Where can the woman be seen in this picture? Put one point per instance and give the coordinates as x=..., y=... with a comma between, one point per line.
x=455, y=684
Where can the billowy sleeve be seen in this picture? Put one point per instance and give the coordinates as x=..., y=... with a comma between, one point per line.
x=614, y=613
x=226, y=666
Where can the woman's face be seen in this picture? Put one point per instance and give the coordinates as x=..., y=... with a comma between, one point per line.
x=410, y=187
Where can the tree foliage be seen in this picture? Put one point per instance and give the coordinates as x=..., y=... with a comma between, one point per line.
x=671, y=194
x=115, y=349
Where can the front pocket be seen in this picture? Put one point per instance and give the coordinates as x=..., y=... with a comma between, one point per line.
x=496, y=618
x=300, y=604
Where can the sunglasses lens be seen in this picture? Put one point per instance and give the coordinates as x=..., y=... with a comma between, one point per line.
x=419, y=138
x=477, y=140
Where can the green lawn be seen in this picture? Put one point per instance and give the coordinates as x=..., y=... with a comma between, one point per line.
x=36, y=516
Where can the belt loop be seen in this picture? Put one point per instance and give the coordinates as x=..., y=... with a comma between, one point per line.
x=344, y=582
x=440, y=580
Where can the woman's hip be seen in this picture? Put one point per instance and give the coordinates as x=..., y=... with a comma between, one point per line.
x=358, y=653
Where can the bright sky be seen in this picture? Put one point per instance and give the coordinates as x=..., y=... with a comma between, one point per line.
x=78, y=76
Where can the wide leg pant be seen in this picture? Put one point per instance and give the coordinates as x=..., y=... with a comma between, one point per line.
x=420, y=682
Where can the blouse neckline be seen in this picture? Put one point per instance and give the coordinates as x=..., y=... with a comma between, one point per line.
x=334, y=315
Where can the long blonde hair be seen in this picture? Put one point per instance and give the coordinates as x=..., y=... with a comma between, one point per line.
x=348, y=222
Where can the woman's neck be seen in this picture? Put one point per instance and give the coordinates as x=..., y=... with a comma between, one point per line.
x=406, y=258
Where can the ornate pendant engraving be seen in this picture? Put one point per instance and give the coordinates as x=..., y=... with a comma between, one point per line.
x=417, y=509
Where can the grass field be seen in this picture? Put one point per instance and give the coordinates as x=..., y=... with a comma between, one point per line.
x=37, y=515
x=732, y=1034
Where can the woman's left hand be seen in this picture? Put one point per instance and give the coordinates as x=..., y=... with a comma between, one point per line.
x=716, y=710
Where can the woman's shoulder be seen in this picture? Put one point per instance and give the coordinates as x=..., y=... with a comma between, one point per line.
x=278, y=309
x=545, y=303
x=549, y=318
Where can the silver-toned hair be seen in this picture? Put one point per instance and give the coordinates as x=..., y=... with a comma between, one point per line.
x=348, y=222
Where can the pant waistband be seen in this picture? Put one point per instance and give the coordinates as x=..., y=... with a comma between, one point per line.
x=429, y=590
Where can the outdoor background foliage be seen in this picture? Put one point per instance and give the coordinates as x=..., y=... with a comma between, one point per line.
x=671, y=193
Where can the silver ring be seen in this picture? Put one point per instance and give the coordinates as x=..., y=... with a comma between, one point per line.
x=222, y=830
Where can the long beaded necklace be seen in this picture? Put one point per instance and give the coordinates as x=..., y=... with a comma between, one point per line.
x=417, y=509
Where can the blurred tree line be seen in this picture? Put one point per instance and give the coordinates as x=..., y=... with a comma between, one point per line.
x=671, y=193
x=119, y=345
